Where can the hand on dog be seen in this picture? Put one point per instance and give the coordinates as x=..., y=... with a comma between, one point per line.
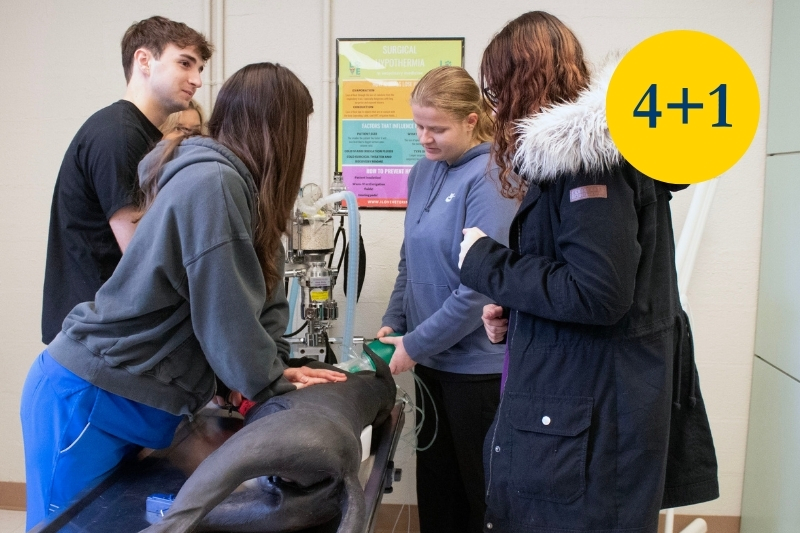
x=305, y=377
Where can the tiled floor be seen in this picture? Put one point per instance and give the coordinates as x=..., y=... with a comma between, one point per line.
x=12, y=521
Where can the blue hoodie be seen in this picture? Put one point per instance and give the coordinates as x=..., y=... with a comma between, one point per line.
x=440, y=317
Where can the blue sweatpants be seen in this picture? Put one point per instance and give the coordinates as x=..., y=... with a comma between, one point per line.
x=64, y=453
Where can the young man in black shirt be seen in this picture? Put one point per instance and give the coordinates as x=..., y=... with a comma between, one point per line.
x=93, y=213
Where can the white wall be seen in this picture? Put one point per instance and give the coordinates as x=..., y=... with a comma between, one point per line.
x=62, y=63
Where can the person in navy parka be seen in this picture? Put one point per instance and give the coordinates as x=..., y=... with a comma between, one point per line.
x=600, y=388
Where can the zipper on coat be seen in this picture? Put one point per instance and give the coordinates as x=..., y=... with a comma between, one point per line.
x=500, y=408
x=491, y=449
x=503, y=395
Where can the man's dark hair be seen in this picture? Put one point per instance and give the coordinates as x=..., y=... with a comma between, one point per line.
x=155, y=34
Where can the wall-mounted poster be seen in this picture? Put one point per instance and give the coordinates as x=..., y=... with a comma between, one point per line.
x=376, y=139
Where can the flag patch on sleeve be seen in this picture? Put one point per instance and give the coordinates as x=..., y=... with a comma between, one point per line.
x=588, y=191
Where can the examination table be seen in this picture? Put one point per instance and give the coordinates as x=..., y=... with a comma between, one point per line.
x=117, y=505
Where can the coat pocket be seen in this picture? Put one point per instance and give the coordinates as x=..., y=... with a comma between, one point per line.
x=549, y=442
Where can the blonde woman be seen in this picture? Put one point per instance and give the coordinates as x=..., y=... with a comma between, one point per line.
x=453, y=187
x=187, y=122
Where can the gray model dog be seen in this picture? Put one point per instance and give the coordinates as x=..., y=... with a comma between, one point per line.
x=304, y=449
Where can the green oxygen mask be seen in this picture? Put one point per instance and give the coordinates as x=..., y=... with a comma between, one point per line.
x=363, y=362
x=384, y=351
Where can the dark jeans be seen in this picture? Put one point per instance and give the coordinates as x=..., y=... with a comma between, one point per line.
x=450, y=480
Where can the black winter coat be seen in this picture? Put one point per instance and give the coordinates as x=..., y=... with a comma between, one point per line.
x=602, y=389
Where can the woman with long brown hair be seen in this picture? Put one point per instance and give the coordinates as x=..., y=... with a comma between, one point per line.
x=198, y=295
x=597, y=343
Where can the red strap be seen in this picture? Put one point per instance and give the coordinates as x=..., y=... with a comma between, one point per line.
x=245, y=406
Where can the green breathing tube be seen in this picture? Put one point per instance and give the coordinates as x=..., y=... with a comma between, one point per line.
x=384, y=351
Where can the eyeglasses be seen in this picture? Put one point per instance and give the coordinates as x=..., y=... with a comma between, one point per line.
x=490, y=95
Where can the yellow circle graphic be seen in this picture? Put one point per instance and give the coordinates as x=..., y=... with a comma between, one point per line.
x=682, y=106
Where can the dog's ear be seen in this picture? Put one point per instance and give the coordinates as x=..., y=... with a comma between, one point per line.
x=384, y=375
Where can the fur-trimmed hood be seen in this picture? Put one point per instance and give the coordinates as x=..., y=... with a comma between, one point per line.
x=569, y=137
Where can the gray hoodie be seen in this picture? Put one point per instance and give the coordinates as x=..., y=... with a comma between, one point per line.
x=188, y=299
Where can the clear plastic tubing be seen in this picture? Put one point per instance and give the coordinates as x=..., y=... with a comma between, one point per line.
x=352, y=266
x=293, y=287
